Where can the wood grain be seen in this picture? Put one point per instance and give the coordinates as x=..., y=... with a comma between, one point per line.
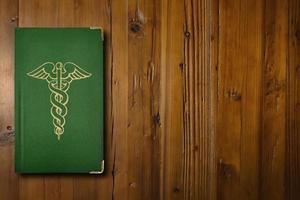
x=173, y=107
x=8, y=13
x=196, y=102
x=188, y=161
x=293, y=97
x=143, y=111
x=274, y=100
x=119, y=95
x=202, y=99
x=239, y=98
x=213, y=91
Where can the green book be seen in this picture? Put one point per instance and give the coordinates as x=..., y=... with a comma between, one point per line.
x=59, y=98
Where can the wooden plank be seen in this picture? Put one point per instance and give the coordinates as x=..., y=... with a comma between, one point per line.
x=162, y=104
x=173, y=105
x=9, y=180
x=119, y=99
x=272, y=172
x=71, y=14
x=239, y=98
x=196, y=105
x=293, y=99
x=144, y=117
x=214, y=69
x=103, y=14
x=188, y=165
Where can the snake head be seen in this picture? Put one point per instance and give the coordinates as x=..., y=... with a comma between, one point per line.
x=59, y=66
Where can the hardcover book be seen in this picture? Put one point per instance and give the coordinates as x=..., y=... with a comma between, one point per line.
x=59, y=91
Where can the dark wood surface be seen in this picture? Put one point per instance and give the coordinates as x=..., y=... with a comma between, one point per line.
x=201, y=99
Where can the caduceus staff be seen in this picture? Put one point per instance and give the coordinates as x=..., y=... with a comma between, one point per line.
x=59, y=82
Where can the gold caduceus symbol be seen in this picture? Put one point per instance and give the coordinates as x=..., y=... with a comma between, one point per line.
x=59, y=82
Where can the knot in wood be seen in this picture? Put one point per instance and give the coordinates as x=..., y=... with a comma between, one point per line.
x=187, y=34
x=13, y=19
x=226, y=170
x=7, y=137
x=176, y=190
x=181, y=66
x=156, y=119
x=132, y=185
x=234, y=94
x=135, y=26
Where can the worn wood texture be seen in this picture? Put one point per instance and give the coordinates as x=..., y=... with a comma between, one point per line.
x=201, y=99
x=188, y=164
x=239, y=98
x=8, y=179
x=293, y=101
x=274, y=100
x=173, y=110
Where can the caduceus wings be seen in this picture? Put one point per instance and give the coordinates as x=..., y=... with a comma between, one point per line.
x=41, y=73
x=77, y=73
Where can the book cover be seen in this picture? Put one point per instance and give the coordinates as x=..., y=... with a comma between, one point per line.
x=59, y=100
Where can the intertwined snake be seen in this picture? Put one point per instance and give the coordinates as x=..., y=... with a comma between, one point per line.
x=59, y=80
x=59, y=99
